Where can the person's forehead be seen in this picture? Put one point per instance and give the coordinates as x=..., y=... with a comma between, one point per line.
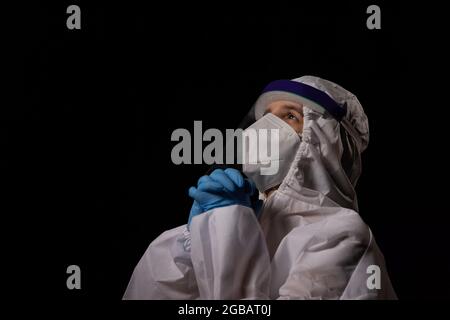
x=284, y=104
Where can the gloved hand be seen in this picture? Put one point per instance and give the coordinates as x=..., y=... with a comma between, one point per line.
x=219, y=189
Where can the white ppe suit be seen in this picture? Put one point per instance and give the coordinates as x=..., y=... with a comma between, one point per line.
x=309, y=242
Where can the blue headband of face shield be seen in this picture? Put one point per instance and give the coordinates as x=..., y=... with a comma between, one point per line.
x=318, y=98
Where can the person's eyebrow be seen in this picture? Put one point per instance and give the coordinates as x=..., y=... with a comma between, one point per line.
x=294, y=107
x=289, y=106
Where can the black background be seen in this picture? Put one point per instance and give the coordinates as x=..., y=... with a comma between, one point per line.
x=91, y=178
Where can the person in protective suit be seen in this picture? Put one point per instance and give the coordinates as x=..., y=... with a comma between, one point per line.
x=304, y=239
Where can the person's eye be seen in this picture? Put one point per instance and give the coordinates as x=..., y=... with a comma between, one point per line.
x=290, y=116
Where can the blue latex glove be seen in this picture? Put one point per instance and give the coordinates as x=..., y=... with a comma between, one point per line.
x=219, y=189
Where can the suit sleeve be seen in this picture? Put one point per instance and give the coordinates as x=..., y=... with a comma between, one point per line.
x=224, y=256
x=165, y=270
x=229, y=254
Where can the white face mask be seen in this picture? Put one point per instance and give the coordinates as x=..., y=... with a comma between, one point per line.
x=267, y=160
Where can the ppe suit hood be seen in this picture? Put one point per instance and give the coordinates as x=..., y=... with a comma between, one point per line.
x=327, y=164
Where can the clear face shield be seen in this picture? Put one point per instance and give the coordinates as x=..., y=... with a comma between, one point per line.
x=306, y=95
x=235, y=146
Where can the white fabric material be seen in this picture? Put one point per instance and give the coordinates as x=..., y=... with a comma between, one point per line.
x=310, y=242
x=355, y=113
x=287, y=141
x=330, y=159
